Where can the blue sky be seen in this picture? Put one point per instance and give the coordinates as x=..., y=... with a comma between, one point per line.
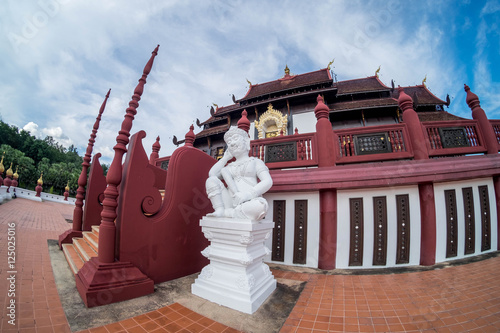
x=60, y=57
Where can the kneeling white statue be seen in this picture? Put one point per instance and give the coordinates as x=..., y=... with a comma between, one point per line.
x=247, y=179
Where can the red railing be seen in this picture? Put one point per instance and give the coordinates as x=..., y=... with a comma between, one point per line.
x=453, y=137
x=496, y=128
x=374, y=143
x=289, y=151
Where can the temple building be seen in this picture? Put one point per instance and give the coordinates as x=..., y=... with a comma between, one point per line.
x=366, y=175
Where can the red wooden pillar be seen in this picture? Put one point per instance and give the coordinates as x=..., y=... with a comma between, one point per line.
x=485, y=125
x=327, y=151
x=427, y=224
x=426, y=190
x=328, y=229
x=76, y=230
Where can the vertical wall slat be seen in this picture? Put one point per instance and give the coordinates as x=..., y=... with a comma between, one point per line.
x=380, y=231
x=300, y=234
x=356, y=234
x=451, y=223
x=470, y=224
x=485, y=218
x=403, y=229
x=279, y=218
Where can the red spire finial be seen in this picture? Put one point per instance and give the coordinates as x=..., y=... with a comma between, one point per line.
x=107, y=232
x=472, y=100
x=244, y=123
x=156, y=145
x=404, y=100
x=189, y=138
x=321, y=110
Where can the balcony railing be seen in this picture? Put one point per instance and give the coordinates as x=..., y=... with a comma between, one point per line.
x=374, y=143
x=290, y=151
x=496, y=129
x=446, y=138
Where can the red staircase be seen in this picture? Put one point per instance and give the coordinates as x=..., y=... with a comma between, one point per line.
x=81, y=249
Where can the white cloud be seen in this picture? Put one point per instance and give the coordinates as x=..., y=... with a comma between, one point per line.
x=58, y=75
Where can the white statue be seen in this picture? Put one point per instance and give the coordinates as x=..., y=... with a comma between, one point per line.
x=247, y=179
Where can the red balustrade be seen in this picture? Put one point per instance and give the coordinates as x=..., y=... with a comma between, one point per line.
x=299, y=150
x=496, y=128
x=398, y=145
x=464, y=137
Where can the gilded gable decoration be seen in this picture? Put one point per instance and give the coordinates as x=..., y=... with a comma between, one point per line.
x=271, y=123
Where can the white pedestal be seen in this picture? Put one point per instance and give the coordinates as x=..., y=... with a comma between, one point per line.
x=236, y=277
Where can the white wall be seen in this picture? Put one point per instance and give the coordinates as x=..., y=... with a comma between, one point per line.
x=304, y=122
x=312, y=225
x=343, y=225
x=441, y=217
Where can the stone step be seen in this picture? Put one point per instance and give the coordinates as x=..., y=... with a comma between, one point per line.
x=92, y=239
x=84, y=249
x=74, y=260
x=95, y=230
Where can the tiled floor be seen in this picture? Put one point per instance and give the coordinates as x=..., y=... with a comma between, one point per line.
x=462, y=298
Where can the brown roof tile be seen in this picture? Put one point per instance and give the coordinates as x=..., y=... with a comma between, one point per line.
x=437, y=116
x=424, y=96
x=290, y=82
x=369, y=84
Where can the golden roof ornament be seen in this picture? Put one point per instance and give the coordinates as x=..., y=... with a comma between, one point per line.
x=424, y=80
x=216, y=106
x=377, y=71
x=287, y=70
x=9, y=172
x=67, y=187
x=40, y=180
x=330, y=64
x=2, y=168
x=16, y=175
x=250, y=83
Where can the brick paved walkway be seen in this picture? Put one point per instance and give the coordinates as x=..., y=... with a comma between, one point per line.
x=462, y=298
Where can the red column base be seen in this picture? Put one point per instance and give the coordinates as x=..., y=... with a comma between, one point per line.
x=67, y=237
x=100, y=284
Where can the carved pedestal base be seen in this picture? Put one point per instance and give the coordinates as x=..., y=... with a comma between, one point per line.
x=68, y=235
x=100, y=284
x=236, y=277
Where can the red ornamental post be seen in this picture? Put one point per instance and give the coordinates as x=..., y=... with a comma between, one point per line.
x=485, y=125
x=15, y=177
x=156, y=149
x=82, y=180
x=2, y=169
x=66, y=192
x=8, y=179
x=107, y=230
x=326, y=138
x=244, y=123
x=410, y=118
x=76, y=230
x=39, y=187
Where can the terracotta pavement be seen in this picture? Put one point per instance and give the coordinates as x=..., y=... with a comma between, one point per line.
x=463, y=298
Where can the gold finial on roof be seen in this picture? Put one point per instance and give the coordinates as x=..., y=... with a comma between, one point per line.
x=424, y=80
x=330, y=64
x=250, y=83
x=377, y=71
x=9, y=170
x=216, y=106
x=287, y=70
